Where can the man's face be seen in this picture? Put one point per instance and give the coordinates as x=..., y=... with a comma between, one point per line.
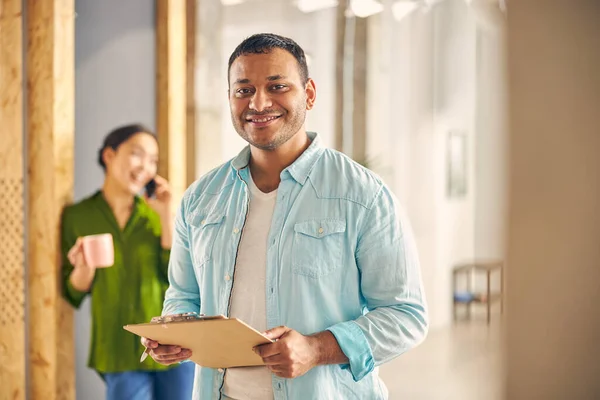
x=268, y=98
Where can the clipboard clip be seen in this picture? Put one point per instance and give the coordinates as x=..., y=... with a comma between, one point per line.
x=189, y=316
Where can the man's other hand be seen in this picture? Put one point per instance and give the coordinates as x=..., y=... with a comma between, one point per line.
x=291, y=355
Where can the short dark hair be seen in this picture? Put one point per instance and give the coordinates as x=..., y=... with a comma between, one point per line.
x=264, y=43
x=119, y=136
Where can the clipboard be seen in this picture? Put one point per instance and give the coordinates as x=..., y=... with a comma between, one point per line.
x=215, y=341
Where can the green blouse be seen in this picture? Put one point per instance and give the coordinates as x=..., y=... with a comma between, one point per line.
x=131, y=291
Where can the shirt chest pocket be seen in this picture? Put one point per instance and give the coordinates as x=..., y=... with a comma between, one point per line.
x=204, y=231
x=318, y=247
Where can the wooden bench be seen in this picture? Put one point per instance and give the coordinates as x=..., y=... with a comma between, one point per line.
x=471, y=295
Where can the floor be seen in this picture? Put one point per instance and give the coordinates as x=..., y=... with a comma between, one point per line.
x=463, y=361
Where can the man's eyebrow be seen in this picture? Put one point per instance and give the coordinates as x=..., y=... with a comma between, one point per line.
x=269, y=78
x=275, y=77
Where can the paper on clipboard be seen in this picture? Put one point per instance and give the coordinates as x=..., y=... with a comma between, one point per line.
x=216, y=341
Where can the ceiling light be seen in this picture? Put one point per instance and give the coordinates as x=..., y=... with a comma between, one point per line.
x=365, y=8
x=231, y=2
x=308, y=6
x=402, y=8
x=488, y=13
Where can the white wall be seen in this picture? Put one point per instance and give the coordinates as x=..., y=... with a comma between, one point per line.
x=491, y=175
x=114, y=85
x=455, y=104
x=443, y=70
x=210, y=87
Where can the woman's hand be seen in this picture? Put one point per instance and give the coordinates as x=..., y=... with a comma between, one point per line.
x=161, y=203
x=76, y=257
x=83, y=275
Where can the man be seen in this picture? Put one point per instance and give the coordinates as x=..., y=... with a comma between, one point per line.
x=297, y=239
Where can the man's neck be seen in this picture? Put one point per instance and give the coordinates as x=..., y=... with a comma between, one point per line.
x=266, y=166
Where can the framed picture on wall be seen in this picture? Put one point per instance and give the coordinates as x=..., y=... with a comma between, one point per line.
x=457, y=164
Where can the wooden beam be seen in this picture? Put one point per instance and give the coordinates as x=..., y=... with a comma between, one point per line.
x=171, y=92
x=190, y=76
x=359, y=91
x=50, y=129
x=340, y=44
x=554, y=190
x=12, y=265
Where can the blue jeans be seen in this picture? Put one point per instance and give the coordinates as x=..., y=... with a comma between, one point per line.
x=174, y=384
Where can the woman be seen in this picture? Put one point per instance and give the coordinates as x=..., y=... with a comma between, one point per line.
x=132, y=290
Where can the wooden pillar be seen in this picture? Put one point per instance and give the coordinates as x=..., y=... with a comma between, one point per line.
x=50, y=129
x=359, y=91
x=171, y=92
x=190, y=84
x=553, y=274
x=340, y=45
x=12, y=277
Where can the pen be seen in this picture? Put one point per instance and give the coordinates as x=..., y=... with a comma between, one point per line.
x=170, y=318
x=145, y=354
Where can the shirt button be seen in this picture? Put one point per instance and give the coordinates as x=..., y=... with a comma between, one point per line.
x=235, y=230
x=203, y=222
x=227, y=277
x=321, y=230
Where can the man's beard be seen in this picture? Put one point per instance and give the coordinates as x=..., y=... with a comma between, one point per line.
x=285, y=133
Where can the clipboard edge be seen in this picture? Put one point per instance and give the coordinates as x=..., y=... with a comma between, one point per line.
x=208, y=318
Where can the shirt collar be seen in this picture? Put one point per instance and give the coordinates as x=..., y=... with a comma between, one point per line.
x=137, y=211
x=299, y=169
x=138, y=202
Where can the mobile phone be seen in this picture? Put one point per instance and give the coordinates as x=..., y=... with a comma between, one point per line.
x=151, y=188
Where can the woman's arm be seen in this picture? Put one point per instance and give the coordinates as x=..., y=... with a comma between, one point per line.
x=77, y=277
x=166, y=232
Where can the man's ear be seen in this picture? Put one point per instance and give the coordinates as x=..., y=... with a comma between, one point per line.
x=311, y=94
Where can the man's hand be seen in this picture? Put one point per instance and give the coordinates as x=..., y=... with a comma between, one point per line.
x=292, y=355
x=166, y=354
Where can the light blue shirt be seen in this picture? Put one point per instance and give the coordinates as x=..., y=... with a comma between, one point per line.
x=340, y=257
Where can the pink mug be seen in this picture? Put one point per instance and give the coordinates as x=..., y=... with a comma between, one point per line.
x=98, y=250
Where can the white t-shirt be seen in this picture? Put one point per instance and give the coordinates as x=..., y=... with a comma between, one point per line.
x=248, y=297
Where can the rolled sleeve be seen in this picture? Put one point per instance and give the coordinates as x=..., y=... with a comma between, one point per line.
x=73, y=296
x=391, y=283
x=355, y=346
